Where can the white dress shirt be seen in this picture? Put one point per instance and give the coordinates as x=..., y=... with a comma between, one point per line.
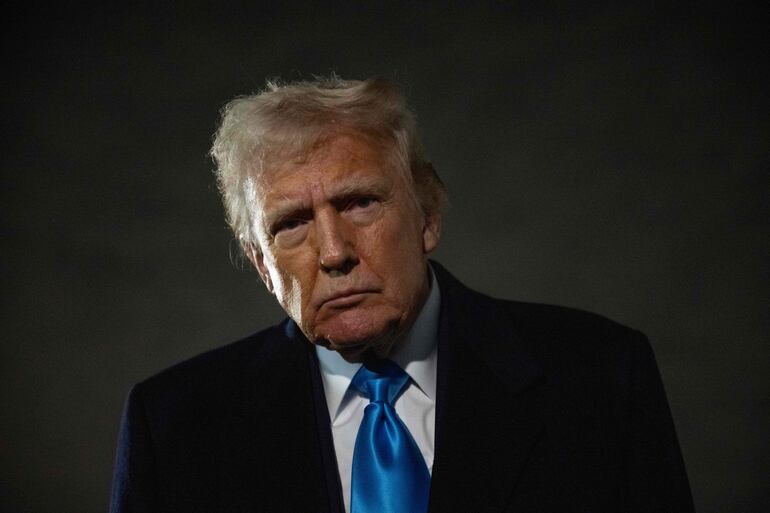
x=416, y=406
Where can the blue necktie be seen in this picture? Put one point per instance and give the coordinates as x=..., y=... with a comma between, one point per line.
x=389, y=472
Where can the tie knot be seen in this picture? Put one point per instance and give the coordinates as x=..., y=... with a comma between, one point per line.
x=380, y=381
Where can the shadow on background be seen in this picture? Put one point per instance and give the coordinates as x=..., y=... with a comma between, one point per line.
x=613, y=159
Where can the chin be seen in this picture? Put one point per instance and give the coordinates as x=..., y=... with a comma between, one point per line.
x=356, y=341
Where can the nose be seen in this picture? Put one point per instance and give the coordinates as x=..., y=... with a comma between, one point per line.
x=336, y=243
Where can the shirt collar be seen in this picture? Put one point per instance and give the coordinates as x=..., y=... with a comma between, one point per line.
x=417, y=356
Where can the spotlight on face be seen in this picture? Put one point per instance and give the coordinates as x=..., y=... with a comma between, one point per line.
x=343, y=246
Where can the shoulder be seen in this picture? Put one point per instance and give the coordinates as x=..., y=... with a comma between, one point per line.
x=557, y=337
x=535, y=320
x=545, y=322
x=205, y=378
x=584, y=357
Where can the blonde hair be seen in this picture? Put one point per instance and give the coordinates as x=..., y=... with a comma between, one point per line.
x=290, y=120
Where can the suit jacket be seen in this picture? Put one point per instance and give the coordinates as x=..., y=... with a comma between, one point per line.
x=538, y=408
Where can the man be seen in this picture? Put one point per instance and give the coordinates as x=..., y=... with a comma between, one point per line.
x=391, y=387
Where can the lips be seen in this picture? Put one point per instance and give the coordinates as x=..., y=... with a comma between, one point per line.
x=345, y=298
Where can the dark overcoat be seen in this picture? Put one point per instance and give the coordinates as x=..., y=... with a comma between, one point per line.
x=538, y=408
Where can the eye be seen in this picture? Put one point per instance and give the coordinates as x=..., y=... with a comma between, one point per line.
x=362, y=202
x=287, y=225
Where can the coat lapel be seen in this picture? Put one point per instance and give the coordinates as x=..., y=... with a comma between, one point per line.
x=487, y=414
x=270, y=439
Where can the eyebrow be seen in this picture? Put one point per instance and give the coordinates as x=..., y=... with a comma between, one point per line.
x=285, y=210
x=363, y=186
x=287, y=207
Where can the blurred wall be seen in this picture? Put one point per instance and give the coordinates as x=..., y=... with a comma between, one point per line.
x=613, y=159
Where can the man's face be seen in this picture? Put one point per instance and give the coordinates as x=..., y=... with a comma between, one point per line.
x=343, y=246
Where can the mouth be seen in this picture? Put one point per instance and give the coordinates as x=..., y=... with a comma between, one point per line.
x=346, y=298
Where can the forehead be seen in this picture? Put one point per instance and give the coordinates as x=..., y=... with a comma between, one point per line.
x=342, y=159
x=335, y=151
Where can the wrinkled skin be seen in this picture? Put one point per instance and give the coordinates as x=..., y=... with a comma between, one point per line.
x=343, y=246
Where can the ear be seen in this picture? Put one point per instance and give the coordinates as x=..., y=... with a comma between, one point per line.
x=431, y=232
x=255, y=256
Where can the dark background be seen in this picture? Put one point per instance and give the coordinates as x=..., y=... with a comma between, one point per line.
x=612, y=158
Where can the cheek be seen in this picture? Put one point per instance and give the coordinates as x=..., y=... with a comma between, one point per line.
x=399, y=230
x=293, y=301
x=287, y=288
x=289, y=294
x=405, y=242
x=396, y=255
